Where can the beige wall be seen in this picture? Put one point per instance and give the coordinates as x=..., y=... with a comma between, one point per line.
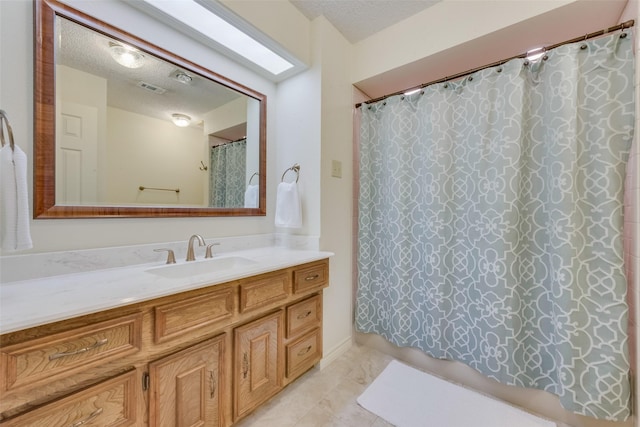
x=280, y=20
x=86, y=89
x=149, y=152
x=226, y=116
x=439, y=32
x=336, y=193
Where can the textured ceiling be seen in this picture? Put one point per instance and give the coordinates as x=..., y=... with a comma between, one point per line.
x=358, y=19
x=88, y=51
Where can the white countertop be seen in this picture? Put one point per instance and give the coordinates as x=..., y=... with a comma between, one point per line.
x=28, y=303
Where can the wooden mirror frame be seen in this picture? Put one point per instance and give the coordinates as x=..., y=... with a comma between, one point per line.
x=44, y=147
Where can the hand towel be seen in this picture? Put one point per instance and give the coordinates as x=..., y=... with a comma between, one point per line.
x=251, y=196
x=288, y=206
x=14, y=200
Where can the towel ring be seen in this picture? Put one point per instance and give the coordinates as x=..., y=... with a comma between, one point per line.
x=255, y=174
x=4, y=121
x=295, y=168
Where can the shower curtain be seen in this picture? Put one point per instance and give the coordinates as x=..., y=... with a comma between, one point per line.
x=490, y=222
x=227, y=180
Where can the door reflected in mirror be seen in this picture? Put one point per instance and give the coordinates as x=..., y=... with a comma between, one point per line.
x=139, y=131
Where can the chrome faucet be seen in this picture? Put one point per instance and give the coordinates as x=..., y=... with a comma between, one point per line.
x=190, y=254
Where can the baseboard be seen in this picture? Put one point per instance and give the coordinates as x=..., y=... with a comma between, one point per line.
x=336, y=352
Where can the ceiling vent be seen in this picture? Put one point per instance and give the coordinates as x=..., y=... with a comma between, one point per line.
x=151, y=88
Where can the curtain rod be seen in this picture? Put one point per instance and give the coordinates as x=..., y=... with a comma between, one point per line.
x=627, y=24
x=227, y=141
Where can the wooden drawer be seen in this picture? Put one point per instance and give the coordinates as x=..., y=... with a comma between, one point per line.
x=304, y=316
x=263, y=291
x=313, y=276
x=303, y=353
x=176, y=318
x=60, y=355
x=109, y=404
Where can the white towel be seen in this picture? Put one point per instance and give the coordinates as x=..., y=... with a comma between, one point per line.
x=288, y=206
x=251, y=196
x=14, y=200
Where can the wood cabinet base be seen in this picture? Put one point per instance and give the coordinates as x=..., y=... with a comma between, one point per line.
x=206, y=357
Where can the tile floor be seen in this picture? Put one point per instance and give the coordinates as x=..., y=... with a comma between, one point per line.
x=326, y=398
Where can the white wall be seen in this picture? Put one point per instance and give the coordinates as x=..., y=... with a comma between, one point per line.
x=298, y=122
x=16, y=98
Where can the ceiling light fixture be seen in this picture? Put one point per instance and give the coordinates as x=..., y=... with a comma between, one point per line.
x=183, y=78
x=181, y=120
x=126, y=55
x=206, y=22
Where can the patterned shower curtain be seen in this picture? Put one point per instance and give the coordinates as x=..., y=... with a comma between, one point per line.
x=490, y=222
x=227, y=180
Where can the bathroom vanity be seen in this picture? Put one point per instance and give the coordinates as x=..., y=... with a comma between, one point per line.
x=205, y=353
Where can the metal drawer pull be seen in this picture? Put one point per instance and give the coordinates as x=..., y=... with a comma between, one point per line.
x=305, y=351
x=212, y=384
x=310, y=278
x=304, y=316
x=245, y=365
x=93, y=415
x=80, y=350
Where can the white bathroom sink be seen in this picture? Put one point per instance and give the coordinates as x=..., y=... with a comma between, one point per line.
x=196, y=268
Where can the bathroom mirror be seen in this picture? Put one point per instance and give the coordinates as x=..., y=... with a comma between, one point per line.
x=124, y=128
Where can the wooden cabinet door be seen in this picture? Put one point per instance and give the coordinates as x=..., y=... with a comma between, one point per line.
x=111, y=403
x=258, y=367
x=186, y=388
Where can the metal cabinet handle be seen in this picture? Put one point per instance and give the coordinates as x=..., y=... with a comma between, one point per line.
x=80, y=350
x=305, y=351
x=245, y=365
x=304, y=316
x=212, y=384
x=310, y=278
x=91, y=416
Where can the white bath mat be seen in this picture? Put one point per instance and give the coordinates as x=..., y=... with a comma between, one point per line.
x=407, y=397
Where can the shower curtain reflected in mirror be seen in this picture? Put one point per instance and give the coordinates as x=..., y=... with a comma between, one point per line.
x=228, y=174
x=490, y=222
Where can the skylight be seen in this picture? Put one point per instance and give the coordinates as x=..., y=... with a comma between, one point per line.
x=217, y=29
